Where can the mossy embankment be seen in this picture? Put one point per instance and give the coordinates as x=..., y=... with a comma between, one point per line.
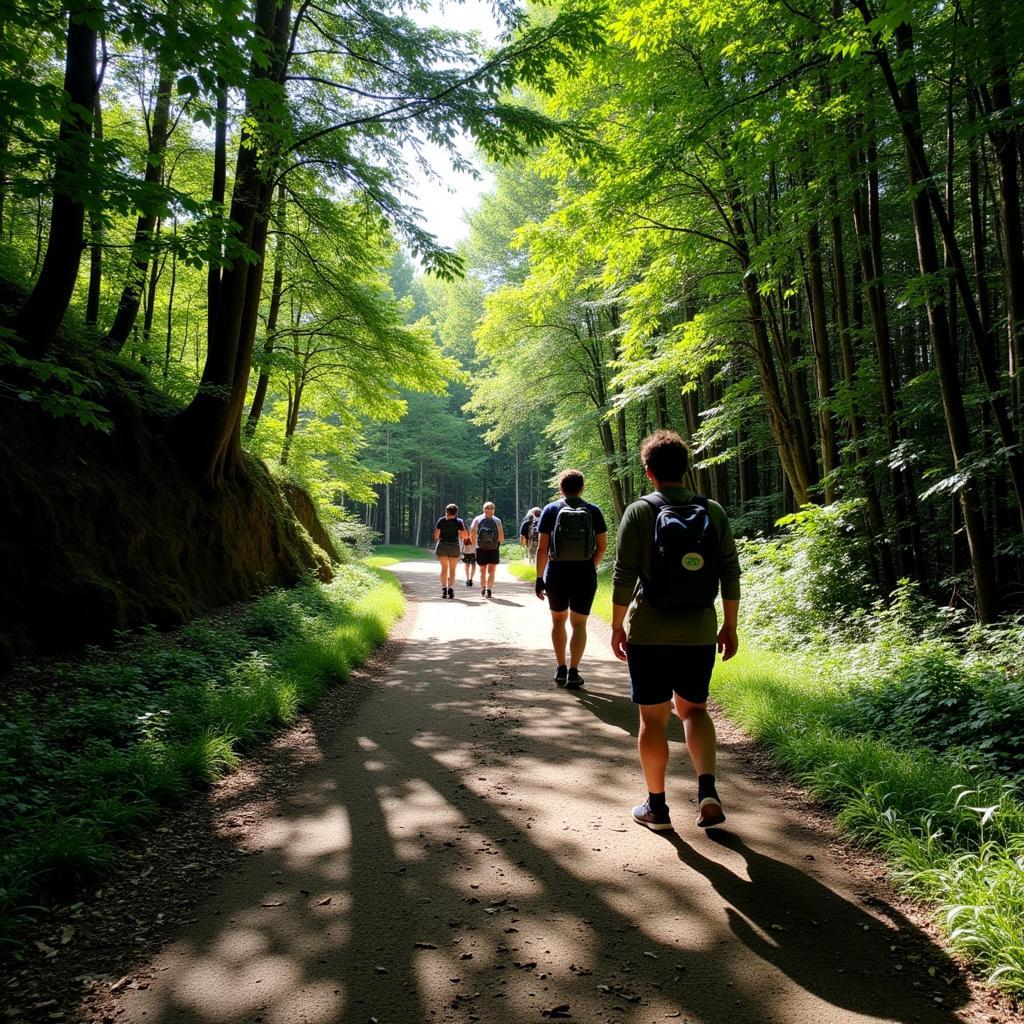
x=105, y=529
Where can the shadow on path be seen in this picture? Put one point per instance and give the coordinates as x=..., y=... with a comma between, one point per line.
x=461, y=854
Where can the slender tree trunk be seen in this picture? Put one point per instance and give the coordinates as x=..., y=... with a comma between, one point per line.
x=943, y=343
x=170, y=298
x=263, y=381
x=905, y=103
x=875, y=516
x=419, y=510
x=40, y=317
x=143, y=245
x=92, y=303
x=217, y=198
x=868, y=232
x=822, y=363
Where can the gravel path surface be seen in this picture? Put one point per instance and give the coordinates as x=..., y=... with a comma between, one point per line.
x=457, y=847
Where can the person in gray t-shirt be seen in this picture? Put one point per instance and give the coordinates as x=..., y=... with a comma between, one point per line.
x=487, y=533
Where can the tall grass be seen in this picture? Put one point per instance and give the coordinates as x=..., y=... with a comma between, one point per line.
x=954, y=833
x=94, y=750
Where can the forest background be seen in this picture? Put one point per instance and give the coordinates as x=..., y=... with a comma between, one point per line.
x=791, y=232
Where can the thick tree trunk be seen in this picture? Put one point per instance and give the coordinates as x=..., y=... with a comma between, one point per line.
x=40, y=317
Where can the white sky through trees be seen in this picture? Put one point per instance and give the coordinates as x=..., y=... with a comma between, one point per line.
x=444, y=203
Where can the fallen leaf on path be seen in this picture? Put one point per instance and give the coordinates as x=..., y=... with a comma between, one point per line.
x=380, y=969
x=118, y=985
x=324, y=902
x=561, y=1011
x=273, y=903
x=648, y=953
x=424, y=945
x=526, y=965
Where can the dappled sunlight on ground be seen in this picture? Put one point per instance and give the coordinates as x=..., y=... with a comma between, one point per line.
x=464, y=852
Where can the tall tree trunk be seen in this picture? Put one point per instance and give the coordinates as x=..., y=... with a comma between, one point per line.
x=40, y=317
x=875, y=516
x=868, y=232
x=217, y=198
x=170, y=298
x=263, y=381
x=92, y=302
x=905, y=103
x=142, y=246
x=419, y=510
x=822, y=363
x=943, y=344
x=208, y=432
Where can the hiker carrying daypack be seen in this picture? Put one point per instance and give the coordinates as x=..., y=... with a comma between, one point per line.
x=487, y=534
x=684, y=556
x=573, y=538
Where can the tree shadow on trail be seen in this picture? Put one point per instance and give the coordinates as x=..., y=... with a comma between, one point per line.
x=619, y=711
x=458, y=862
x=787, y=918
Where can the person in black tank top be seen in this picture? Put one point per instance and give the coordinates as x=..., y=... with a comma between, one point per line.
x=448, y=531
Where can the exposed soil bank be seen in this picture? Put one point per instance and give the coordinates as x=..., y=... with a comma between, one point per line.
x=104, y=531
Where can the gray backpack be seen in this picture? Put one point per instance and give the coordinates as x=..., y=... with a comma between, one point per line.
x=573, y=538
x=487, y=535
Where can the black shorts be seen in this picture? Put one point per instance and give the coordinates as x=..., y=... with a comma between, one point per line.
x=656, y=671
x=487, y=556
x=571, y=587
x=469, y=557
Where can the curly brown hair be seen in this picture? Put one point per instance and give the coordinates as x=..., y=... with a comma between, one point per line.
x=665, y=455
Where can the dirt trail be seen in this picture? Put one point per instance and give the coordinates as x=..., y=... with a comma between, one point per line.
x=462, y=851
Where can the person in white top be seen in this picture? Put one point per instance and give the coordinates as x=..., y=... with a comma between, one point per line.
x=487, y=534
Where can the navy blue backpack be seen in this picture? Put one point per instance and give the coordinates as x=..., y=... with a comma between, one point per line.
x=684, y=557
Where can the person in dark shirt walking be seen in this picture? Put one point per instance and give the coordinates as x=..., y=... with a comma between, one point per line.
x=448, y=531
x=529, y=537
x=674, y=549
x=572, y=539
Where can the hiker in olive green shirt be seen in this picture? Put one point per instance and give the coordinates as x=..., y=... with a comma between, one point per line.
x=671, y=653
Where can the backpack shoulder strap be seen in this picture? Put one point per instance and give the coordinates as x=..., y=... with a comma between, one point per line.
x=656, y=501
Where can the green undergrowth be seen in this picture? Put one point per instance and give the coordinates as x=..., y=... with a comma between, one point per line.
x=95, y=750
x=953, y=829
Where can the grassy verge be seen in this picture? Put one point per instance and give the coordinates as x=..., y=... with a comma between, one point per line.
x=391, y=554
x=953, y=834
x=95, y=750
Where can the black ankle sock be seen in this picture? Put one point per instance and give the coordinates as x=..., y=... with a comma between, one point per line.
x=656, y=801
x=705, y=786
